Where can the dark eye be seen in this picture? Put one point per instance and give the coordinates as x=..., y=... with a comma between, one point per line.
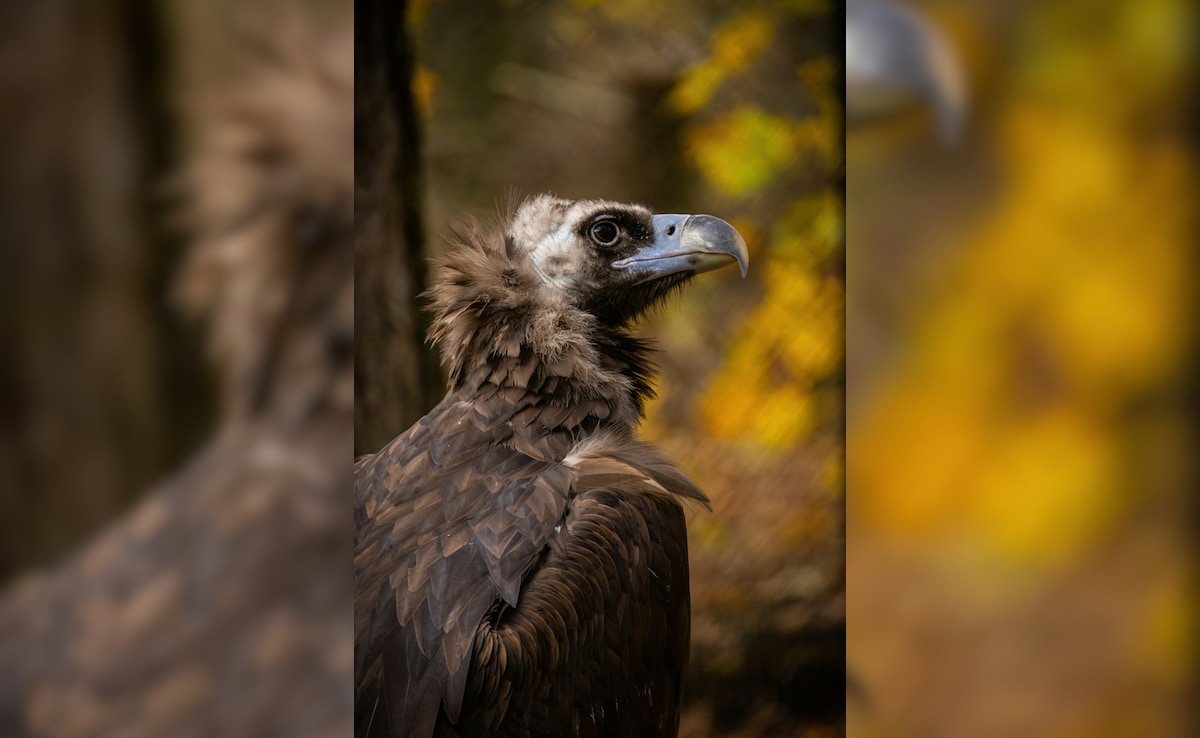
x=605, y=233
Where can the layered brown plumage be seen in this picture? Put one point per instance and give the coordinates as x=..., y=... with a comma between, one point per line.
x=521, y=557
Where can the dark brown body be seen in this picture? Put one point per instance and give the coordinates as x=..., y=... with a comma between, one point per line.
x=597, y=642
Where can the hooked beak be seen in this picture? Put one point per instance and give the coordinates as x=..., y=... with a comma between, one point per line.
x=687, y=243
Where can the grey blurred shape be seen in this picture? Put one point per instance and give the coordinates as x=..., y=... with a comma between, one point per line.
x=895, y=57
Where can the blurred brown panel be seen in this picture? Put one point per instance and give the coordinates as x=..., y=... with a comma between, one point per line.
x=84, y=393
x=396, y=378
x=220, y=605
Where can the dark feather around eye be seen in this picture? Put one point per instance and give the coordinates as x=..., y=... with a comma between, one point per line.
x=605, y=233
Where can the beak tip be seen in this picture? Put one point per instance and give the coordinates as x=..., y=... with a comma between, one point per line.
x=719, y=237
x=743, y=255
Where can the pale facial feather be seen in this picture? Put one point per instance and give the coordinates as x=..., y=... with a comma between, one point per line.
x=548, y=228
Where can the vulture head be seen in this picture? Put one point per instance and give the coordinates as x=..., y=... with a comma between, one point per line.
x=554, y=289
x=613, y=261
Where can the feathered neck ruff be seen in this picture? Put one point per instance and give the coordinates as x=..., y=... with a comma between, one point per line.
x=506, y=339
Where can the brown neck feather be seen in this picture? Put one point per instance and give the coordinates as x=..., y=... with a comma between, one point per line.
x=552, y=365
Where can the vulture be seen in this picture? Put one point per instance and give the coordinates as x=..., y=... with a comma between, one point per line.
x=520, y=555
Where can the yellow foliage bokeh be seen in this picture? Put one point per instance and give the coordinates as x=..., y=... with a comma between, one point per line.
x=1004, y=424
x=744, y=150
x=734, y=46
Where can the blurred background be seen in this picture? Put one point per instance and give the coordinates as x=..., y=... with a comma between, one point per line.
x=176, y=206
x=101, y=106
x=1021, y=381
x=688, y=107
x=94, y=362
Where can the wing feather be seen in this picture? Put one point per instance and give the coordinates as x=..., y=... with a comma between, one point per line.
x=600, y=634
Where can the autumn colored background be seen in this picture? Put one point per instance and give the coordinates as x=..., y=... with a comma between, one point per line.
x=1021, y=380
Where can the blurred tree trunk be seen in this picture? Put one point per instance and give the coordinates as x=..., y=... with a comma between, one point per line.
x=84, y=399
x=396, y=378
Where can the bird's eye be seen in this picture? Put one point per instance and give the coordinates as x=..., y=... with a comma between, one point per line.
x=605, y=233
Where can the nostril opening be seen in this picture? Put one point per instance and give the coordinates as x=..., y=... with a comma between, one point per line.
x=670, y=230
